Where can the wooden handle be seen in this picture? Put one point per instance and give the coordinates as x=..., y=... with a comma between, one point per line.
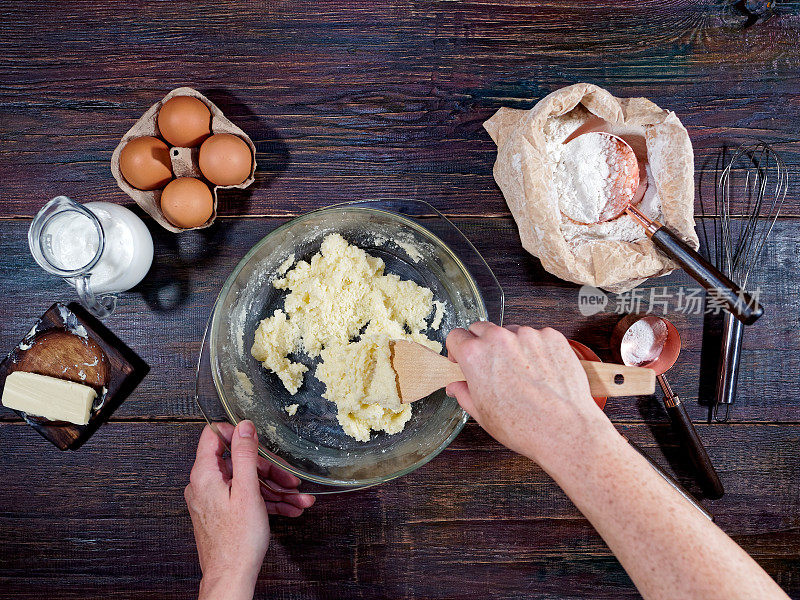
x=611, y=381
x=605, y=379
x=618, y=380
x=420, y=371
x=741, y=304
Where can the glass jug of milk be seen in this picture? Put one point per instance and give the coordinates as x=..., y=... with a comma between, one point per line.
x=101, y=249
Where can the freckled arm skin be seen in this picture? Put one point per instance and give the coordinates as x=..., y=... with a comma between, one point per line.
x=526, y=388
x=667, y=547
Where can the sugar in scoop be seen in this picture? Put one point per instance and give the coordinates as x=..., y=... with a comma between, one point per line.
x=644, y=341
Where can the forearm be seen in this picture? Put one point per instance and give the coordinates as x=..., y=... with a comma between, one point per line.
x=667, y=547
x=226, y=588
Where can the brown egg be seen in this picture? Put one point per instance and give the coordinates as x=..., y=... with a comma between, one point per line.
x=184, y=121
x=145, y=163
x=225, y=159
x=187, y=202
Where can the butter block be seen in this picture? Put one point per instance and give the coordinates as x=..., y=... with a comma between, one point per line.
x=48, y=397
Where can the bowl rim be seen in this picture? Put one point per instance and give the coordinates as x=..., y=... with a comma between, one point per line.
x=360, y=205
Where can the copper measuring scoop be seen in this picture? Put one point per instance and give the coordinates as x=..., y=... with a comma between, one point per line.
x=627, y=190
x=654, y=342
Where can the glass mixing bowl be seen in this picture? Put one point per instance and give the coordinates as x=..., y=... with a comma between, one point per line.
x=311, y=443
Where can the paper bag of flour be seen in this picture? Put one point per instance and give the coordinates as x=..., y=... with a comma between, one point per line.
x=615, y=255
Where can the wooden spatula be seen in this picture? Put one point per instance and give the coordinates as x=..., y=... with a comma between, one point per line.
x=421, y=371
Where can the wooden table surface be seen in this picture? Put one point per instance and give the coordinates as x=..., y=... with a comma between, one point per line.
x=364, y=99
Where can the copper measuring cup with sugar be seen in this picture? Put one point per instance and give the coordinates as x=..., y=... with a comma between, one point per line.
x=628, y=189
x=654, y=342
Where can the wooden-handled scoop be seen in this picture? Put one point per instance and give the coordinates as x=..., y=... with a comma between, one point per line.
x=421, y=371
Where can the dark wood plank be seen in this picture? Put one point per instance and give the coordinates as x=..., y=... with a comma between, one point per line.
x=364, y=99
x=164, y=318
x=477, y=522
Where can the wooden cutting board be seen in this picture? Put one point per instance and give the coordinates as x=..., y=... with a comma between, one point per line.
x=69, y=343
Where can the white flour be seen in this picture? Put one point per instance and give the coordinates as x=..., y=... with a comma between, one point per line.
x=557, y=129
x=584, y=177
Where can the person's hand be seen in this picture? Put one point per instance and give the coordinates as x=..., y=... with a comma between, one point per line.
x=229, y=509
x=525, y=387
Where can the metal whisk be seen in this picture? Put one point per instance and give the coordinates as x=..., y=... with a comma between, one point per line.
x=754, y=181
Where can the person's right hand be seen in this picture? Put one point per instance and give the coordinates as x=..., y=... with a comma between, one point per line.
x=524, y=386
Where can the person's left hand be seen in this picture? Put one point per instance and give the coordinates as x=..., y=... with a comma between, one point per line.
x=229, y=508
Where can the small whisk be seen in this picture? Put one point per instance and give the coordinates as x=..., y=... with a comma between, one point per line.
x=753, y=184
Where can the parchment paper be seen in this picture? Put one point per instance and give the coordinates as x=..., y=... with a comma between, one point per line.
x=184, y=160
x=525, y=176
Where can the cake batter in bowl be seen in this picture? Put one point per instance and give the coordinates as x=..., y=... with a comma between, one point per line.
x=310, y=442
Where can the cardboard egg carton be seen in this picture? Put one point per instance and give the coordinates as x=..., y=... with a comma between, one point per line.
x=184, y=160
